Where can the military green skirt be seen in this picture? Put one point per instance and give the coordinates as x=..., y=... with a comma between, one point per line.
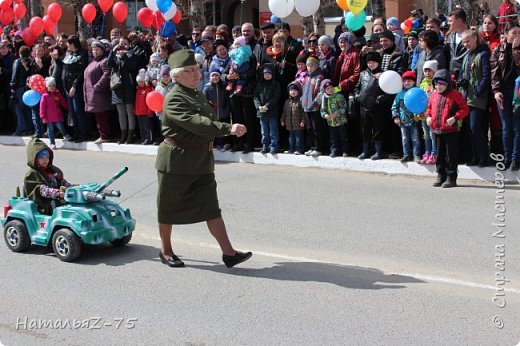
x=185, y=199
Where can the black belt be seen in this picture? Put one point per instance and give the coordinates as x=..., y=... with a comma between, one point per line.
x=189, y=145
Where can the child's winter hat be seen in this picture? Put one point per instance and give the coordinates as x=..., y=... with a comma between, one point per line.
x=214, y=73
x=347, y=36
x=409, y=75
x=393, y=21
x=141, y=76
x=442, y=77
x=325, y=39
x=155, y=57
x=302, y=57
x=312, y=60
x=50, y=81
x=325, y=84
x=240, y=40
x=431, y=65
x=267, y=69
x=374, y=56
x=293, y=86
x=165, y=70
x=43, y=153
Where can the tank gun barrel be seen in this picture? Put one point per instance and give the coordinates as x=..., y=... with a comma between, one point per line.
x=111, y=193
x=92, y=196
x=111, y=179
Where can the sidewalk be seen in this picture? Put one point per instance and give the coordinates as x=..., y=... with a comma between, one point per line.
x=350, y=163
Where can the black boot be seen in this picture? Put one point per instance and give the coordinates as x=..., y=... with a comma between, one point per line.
x=365, y=153
x=124, y=134
x=440, y=180
x=451, y=182
x=130, y=137
x=379, y=151
x=496, y=144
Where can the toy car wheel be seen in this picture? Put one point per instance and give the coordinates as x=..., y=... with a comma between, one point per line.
x=16, y=236
x=66, y=245
x=121, y=241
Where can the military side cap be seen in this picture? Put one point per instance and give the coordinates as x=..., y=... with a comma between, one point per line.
x=182, y=58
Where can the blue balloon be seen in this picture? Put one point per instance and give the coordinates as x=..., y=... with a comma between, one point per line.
x=167, y=29
x=31, y=98
x=164, y=5
x=275, y=19
x=416, y=24
x=416, y=100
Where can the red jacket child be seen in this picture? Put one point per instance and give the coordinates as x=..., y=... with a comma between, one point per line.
x=443, y=106
x=50, y=104
x=140, y=106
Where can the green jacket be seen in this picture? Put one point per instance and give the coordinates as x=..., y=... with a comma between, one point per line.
x=476, y=70
x=37, y=177
x=187, y=116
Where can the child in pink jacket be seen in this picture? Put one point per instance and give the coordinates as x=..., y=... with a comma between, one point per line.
x=51, y=103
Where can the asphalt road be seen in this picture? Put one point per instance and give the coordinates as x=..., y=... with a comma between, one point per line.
x=340, y=258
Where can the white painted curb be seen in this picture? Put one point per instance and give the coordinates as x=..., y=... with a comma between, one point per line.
x=353, y=164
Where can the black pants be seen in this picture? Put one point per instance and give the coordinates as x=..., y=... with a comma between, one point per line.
x=145, y=127
x=317, y=132
x=447, y=154
x=339, y=139
x=372, y=124
x=244, y=112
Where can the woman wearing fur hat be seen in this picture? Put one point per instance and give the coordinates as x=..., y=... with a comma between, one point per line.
x=96, y=89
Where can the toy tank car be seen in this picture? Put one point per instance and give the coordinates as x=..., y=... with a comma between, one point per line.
x=89, y=216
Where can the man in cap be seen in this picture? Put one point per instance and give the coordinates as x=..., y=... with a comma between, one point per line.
x=185, y=162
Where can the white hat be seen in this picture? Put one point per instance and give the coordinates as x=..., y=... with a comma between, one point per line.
x=431, y=65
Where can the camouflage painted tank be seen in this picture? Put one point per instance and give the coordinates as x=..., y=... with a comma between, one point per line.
x=89, y=216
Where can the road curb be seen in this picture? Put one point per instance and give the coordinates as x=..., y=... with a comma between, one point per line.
x=353, y=164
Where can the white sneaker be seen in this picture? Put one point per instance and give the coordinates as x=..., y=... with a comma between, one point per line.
x=52, y=146
x=308, y=152
x=315, y=153
x=297, y=153
x=100, y=141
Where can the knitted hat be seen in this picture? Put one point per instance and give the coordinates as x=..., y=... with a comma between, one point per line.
x=312, y=60
x=293, y=86
x=155, y=57
x=413, y=34
x=393, y=21
x=43, y=153
x=442, y=77
x=165, y=70
x=325, y=39
x=50, y=81
x=220, y=42
x=240, y=40
x=325, y=84
x=97, y=44
x=214, y=73
x=267, y=69
x=431, y=65
x=348, y=37
x=141, y=76
x=409, y=75
x=387, y=34
x=106, y=43
x=374, y=56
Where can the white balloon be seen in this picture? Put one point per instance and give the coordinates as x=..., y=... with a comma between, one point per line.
x=306, y=7
x=171, y=12
x=281, y=8
x=390, y=82
x=152, y=5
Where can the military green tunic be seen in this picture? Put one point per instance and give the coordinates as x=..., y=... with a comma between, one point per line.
x=187, y=190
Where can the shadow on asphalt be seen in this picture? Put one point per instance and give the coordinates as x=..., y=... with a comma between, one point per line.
x=105, y=254
x=340, y=275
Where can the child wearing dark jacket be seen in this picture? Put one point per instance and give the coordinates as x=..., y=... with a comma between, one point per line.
x=44, y=182
x=266, y=96
x=293, y=118
x=444, y=114
x=371, y=100
x=218, y=97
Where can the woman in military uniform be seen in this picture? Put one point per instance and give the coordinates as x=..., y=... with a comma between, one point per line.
x=187, y=190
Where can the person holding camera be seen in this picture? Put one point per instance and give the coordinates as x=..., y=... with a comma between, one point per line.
x=474, y=81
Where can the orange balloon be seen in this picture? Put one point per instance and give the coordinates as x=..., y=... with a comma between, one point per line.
x=342, y=4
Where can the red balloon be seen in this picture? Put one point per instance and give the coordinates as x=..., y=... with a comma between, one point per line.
x=7, y=16
x=20, y=10
x=48, y=25
x=120, y=11
x=154, y=101
x=37, y=83
x=89, y=13
x=36, y=24
x=28, y=36
x=158, y=20
x=408, y=23
x=5, y=4
x=54, y=12
x=145, y=17
x=105, y=5
x=178, y=16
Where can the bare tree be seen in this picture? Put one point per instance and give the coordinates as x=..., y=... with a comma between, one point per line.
x=77, y=5
x=378, y=8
